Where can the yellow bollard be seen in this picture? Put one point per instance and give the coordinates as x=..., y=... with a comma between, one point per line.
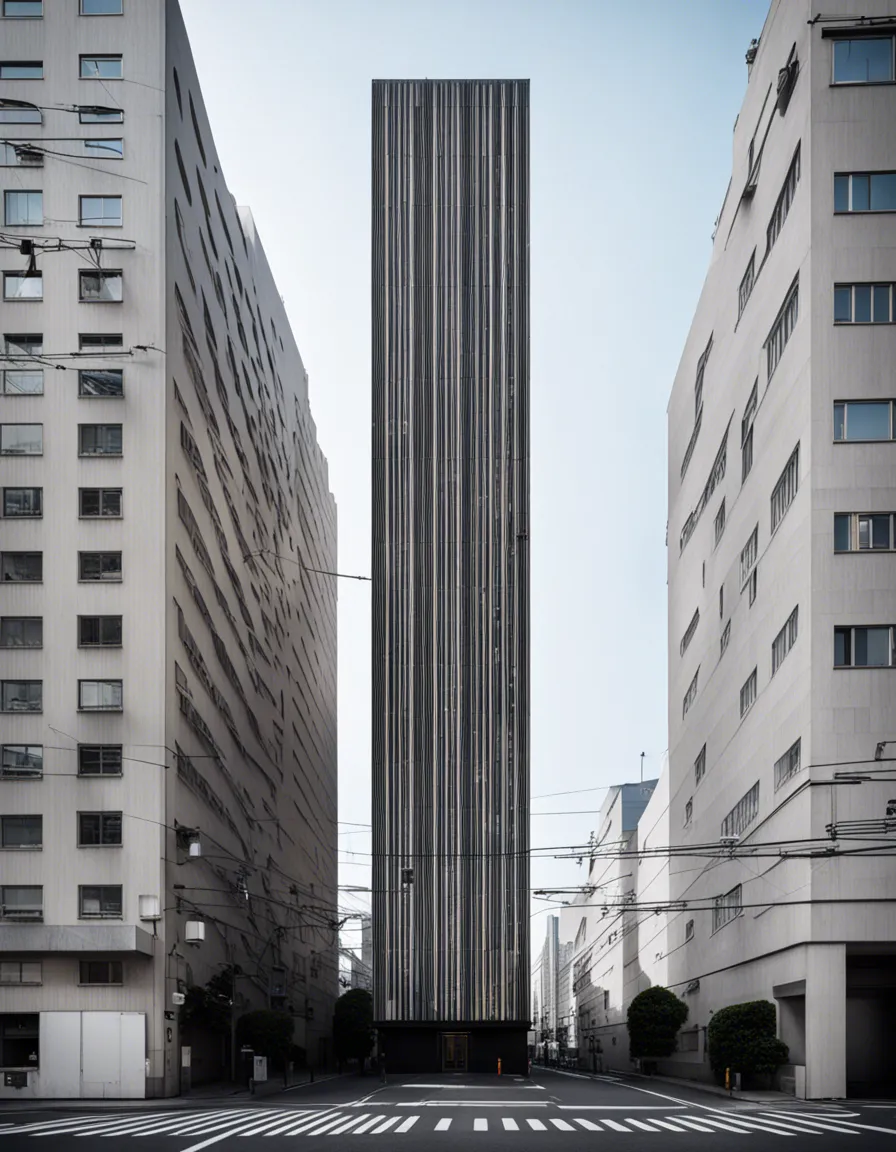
x=499, y=1065
x=727, y=1079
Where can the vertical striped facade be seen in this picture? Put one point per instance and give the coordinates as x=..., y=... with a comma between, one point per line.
x=450, y=723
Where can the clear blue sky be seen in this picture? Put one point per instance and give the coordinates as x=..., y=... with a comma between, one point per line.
x=633, y=106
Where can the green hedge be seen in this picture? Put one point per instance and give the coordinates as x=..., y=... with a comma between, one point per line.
x=654, y=1018
x=742, y=1038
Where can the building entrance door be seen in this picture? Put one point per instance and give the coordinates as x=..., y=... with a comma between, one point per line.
x=454, y=1051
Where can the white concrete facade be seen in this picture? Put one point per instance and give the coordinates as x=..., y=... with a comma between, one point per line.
x=817, y=935
x=220, y=716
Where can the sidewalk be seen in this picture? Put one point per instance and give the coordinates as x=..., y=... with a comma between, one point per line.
x=757, y=1096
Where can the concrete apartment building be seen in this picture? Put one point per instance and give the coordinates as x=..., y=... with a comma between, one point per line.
x=450, y=650
x=782, y=596
x=168, y=724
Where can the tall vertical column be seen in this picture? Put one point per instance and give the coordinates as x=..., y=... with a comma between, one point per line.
x=826, y=1021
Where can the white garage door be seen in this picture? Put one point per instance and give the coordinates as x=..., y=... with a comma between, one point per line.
x=113, y=1053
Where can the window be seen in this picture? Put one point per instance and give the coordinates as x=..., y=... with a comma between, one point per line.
x=198, y=136
x=91, y=114
x=725, y=640
x=742, y=814
x=689, y=632
x=863, y=531
x=106, y=382
x=99, y=211
x=99, y=631
x=748, y=557
x=785, y=640
x=21, y=439
x=788, y=765
x=25, y=502
x=783, y=327
x=722, y=601
x=746, y=286
x=701, y=369
x=746, y=433
x=863, y=304
x=21, y=831
x=21, y=632
x=688, y=812
x=865, y=192
x=21, y=70
x=100, y=696
x=868, y=60
x=21, y=567
x=100, y=902
x=20, y=1041
x=784, y=201
x=98, y=287
x=99, y=440
x=23, y=209
x=99, y=502
x=863, y=420
x=21, y=902
x=786, y=489
x=21, y=113
x=99, y=566
x=689, y=930
x=690, y=696
x=20, y=972
x=23, y=8
x=719, y=524
x=870, y=647
x=700, y=766
x=727, y=908
x=25, y=379
x=21, y=761
x=21, y=695
x=716, y=476
x=101, y=68
x=101, y=7
x=105, y=148
x=748, y=694
x=21, y=155
x=99, y=829
x=100, y=342
x=101, y=972
x=183, y=173
x=23, y=286
x=99, y=759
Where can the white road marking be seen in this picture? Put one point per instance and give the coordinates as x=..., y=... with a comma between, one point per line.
x=622, y=1107
x=348, y=1124
x=385, y=1127
x=291, y=1128
x=443, y=1125
x=275, y=1123
x=537, y=1125
x=616, y=1127
x=762, y=1125
x=319, y=1129
x=471, y=1104
x=726, y=1126
x=510, y=1125
x=407, y=1125
x=139, y=1127
x=811, y=1125
x=234, y=1131
x=204, y=1126
x=589, y=1126
x=74, y=1122
x=562, y=1125
x=480, y=1125
x=368, y=1124
x=667, y=1124
x=643, y=1125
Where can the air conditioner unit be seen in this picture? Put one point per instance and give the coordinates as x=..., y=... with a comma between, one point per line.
x=149, y=908
x=29, y=158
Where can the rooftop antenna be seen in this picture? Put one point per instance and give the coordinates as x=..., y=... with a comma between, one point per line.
x=642, y=767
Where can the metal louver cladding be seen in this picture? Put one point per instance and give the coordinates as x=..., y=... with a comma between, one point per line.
x=450, y=550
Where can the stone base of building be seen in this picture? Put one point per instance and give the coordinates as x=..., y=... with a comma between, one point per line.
x=455, y=1046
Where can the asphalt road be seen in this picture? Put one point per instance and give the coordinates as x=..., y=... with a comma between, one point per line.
x=551, y=1111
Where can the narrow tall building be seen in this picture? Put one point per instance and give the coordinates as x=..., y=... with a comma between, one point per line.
x=782, y=532
x=451, y=572
x=167, y=660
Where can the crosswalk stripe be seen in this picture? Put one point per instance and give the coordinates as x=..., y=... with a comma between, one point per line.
x=319, y=1129
x=92, y=1127
x=562, y=1125
x=639, y=1124
x=668, y=1124
x=537, y=1125
x=134, y=1127
x=443, y=1125
x=71, y=1122
x=688, y=1123
x=233, y=1130
x=385, y=1126
x=368, y=1124
x=293, y=1129
x=510, y=1125
x=203, y=1126
x=792, y=1119
x=589, y=1126
x=480, y=1125
x=408, y=1124
x=726, y=1125
x=274, y=1122
x=768, y=1126
x=614, y=1124
x=348, y=1124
